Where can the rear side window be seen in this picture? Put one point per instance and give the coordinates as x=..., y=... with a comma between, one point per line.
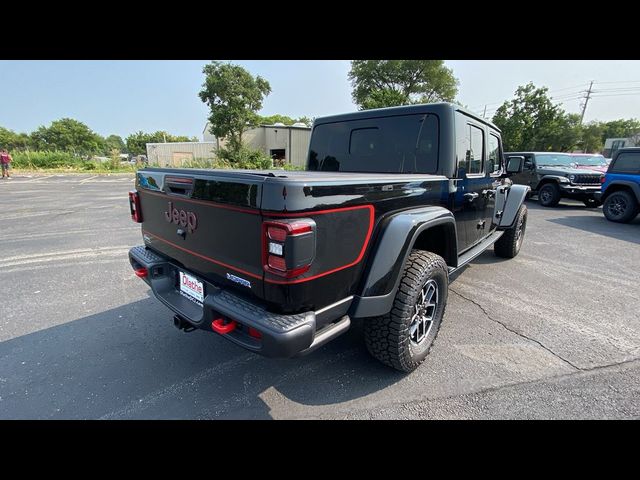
x=493, y=158
x=472, y=145
x=626, y=163
x=399, y=144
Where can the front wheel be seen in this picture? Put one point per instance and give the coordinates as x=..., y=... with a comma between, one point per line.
x=402, y=338
x=620, y=206
x=549, y=195
x=508, y=245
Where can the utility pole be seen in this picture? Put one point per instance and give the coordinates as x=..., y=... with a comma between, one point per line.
x=586, y=100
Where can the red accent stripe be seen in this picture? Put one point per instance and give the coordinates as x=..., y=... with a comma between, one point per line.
x=206, y=204
x=217, y=262
x=316, y=212
x=356, y=261
x=294, y=281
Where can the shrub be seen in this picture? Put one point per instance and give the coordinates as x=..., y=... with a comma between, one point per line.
x=38, y=159
x=246, y=158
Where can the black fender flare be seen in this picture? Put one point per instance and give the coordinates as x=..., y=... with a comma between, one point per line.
x=514, y=197
x=635, y=188
x=549, y=178
x=398, y=235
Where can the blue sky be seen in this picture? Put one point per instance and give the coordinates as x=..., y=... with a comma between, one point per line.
x=122, y=97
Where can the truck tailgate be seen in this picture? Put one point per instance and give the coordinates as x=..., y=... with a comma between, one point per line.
x=208, y=223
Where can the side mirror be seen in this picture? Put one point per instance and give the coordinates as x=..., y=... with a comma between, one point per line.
x=515, y=165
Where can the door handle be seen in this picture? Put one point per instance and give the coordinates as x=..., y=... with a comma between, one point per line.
x=471, y=196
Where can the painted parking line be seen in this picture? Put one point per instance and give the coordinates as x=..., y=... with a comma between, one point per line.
x=87, y=179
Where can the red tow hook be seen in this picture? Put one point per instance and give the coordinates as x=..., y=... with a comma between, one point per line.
x=219, y=326
x=141, y=272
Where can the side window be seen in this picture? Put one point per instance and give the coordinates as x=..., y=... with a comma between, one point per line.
x=475, y=154
x=493, y=164
x=528, y=162
x=626, y=163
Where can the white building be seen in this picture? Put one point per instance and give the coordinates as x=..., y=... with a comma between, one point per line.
x=611, y=145
x=279, y=141
x=176, y=154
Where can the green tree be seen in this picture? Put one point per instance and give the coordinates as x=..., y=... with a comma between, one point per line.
x=136, y=143
x=68, y=135
x=10, y=139
x=306, y=120
x=531, y=122
x=592, y=137
x=234, y=97
x=387, y=83
x=620, y=128
x=277, y=118
x=114, y=142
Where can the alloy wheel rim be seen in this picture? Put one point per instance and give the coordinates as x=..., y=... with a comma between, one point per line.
x=545, y=196
x=424, y=312
x=520, y=230
x=617, y=206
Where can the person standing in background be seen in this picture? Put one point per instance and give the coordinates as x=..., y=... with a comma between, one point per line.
x=5, y=162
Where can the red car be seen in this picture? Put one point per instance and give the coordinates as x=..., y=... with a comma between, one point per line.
x=590, y=161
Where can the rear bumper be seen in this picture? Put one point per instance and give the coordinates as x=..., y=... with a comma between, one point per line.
x=280, y=335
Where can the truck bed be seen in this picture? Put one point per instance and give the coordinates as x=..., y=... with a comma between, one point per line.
x=226, y=247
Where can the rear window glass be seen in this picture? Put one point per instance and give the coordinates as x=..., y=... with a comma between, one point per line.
x=626, y=163
x=403, y=144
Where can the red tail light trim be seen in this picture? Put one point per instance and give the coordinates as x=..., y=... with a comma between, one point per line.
x=134, y=206
x=278, y=231
x=365, y=244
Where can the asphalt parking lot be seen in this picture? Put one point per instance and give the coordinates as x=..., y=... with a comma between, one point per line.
x=553, y=333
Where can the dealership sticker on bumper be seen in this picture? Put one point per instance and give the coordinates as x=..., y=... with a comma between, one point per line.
x=192, y=288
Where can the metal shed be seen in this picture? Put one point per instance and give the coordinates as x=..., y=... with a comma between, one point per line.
x=176, y=154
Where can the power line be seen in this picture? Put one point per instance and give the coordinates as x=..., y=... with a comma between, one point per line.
x=623, y=81
x=617, y=94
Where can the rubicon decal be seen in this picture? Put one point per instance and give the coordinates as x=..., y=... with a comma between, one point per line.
x=241, y=281
x=181, y=217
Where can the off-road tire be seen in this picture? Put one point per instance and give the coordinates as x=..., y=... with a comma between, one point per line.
x=509, y=244
x=592, y=203
x=388, y=337
x=549, y=195
x=627, y=206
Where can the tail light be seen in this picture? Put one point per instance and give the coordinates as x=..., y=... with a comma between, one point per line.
x=134, y=206
x=288, y=246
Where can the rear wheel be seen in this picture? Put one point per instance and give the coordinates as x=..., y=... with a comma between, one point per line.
x=592, y=203
x=508, y=245
x=549, y=195
x=620, y=206
x=402, y=338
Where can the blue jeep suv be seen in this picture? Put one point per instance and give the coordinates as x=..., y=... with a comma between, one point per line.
x=620, y=192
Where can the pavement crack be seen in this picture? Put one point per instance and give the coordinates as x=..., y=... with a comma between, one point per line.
x=520, y=334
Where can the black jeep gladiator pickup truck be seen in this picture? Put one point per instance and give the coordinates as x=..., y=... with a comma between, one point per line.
x=280, y=262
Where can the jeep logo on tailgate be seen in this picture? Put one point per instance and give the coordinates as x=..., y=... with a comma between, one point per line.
x=181, y=217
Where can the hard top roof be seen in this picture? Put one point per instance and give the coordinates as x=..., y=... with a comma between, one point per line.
x=402, y=110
